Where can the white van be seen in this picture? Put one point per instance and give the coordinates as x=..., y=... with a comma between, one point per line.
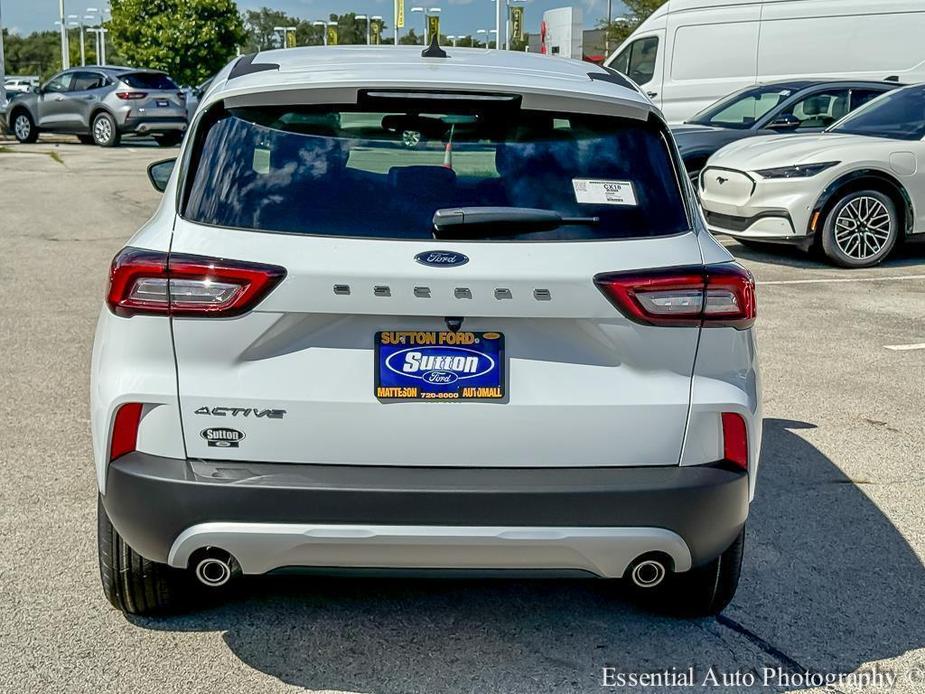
x=689, y=53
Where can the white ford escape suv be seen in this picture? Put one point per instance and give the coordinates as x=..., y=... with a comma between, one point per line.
x=417, y=311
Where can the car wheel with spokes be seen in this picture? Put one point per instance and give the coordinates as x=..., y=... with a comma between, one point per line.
x=24, y=129
x=104, y=130
x=861, y=229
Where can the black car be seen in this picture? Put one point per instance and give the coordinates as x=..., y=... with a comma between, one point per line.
x=775, y=108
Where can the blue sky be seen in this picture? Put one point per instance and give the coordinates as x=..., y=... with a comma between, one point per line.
x=459, y=16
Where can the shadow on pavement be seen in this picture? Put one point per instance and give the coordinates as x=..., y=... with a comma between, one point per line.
x=905, y=255
x=829, y=584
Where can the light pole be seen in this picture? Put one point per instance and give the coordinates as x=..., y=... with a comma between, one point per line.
x=488, y=34
x=284, y=31
x=497, y=24
x=366, y=18
x=453, y=39
x=65, y=49
x=424, y=15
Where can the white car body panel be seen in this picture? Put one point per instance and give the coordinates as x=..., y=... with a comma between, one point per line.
x=745, y=193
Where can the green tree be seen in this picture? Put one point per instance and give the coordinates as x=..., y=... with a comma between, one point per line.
x=621, y=27
x=188, y=39
x=261, y=36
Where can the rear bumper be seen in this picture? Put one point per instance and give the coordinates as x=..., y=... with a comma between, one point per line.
x=143, y=125
x=275, y=515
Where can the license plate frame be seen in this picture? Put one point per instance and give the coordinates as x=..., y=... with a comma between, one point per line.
x=446, y=366
x=162, y=103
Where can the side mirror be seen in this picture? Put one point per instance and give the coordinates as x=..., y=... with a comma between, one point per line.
x=787, y=121
x=159, y=173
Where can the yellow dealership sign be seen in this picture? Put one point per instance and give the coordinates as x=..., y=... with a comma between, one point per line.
x=375, y=29
x=433, y=27
x=332, y=35
x=517, y=23
x=399, y=14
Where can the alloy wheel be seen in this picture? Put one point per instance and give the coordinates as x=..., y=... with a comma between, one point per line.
x=102, y=130
x=863, y=227
x=22, y=127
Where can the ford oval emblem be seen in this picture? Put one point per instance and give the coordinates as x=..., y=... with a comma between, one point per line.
x=441, y=258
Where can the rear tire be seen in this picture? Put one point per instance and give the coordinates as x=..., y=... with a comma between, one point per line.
x=104, y=130
x=704, y=591
x=132, y=583
x=24, y=129
x=861, y=229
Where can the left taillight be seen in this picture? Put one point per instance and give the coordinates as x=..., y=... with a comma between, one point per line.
x=151, y=282
x=712, y=296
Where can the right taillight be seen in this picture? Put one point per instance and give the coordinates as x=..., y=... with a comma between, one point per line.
x=711, y=295
x=131, y=96
x=152, y=282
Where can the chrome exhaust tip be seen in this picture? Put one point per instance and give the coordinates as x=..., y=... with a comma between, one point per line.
x=214, y=571
x=648, y=573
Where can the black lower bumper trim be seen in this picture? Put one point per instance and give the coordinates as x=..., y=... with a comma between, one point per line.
x=151, y=500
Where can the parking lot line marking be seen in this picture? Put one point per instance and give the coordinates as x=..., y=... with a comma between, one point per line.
x=905, y=348
x=831, y=280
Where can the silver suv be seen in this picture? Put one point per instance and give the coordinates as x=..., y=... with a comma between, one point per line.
x=100, y=105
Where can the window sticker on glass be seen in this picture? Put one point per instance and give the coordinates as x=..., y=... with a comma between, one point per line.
x=261, y=161
x=599, y=192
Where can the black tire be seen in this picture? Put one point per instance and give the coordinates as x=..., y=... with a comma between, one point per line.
x=868, y=210
x=132, y=583
x=85, y=139
x=168, y=139
x=23, y=127
x=104, y=130
x=703, y=591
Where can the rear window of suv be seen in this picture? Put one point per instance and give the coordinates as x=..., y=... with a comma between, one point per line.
x=148, y=80
x=350, y=171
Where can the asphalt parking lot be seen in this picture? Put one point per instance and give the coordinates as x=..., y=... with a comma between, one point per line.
x=833, y=579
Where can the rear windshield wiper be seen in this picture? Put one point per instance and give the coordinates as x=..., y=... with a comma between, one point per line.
x=481, y=222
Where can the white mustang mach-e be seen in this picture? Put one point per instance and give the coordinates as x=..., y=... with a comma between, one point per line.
x=856, y=190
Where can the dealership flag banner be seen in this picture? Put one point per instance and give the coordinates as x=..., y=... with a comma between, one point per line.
x=332, y=35
x=517, y=23
x=433, y=27
x=399, y=14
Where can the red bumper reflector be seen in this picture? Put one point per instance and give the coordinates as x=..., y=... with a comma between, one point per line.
x=735, y=440
x=125, y=430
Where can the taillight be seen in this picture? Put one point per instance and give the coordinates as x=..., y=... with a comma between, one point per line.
x=711, y=295
x=735, y=440
x=125, y=430
x=186, y=285
x=131, y=96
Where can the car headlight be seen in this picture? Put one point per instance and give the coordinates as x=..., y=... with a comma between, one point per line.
x=796, y=171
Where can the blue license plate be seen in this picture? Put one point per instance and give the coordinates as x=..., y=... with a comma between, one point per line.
x=439, y=365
